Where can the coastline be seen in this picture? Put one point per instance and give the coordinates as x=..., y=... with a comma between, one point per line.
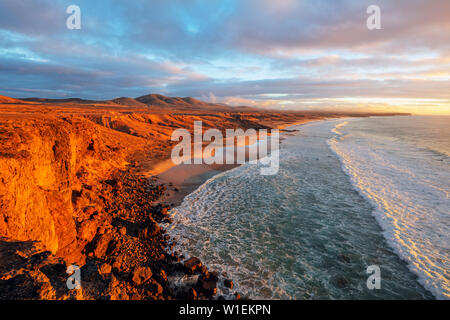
x=95, y=191
x=193, y=230
x=379, y=212
x=183, y=179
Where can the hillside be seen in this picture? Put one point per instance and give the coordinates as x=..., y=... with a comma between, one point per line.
x=150, y=101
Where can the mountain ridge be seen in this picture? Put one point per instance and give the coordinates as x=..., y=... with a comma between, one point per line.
x=150, y=101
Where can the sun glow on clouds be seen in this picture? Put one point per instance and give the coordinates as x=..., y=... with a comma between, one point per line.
x=286, y=54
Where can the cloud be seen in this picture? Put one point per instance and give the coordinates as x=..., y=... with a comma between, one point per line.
x=260, y=52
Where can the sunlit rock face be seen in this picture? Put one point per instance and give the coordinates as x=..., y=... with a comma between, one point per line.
x=45, y=166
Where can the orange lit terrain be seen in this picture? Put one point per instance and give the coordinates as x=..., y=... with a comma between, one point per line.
x=75, y=189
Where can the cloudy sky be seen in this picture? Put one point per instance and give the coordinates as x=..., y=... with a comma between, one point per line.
x=304, y=54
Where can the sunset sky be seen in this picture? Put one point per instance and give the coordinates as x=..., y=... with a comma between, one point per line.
x=289, y=54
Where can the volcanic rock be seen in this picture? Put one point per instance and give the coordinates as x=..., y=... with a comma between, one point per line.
x=192, y=264
x=141, y=275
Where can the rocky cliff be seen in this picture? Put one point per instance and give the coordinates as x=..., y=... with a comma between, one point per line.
x=75, y=189
x=49, y=169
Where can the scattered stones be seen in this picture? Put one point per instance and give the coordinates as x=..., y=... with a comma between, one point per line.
x=102, y=211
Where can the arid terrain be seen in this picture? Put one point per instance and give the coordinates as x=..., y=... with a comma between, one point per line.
x=76, y=187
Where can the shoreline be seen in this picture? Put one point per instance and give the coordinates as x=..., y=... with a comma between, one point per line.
x=199, y=246
x=95, y=194
x=183, y=179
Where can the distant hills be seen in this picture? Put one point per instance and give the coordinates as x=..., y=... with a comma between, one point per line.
x=150, y=101
x=5, y=100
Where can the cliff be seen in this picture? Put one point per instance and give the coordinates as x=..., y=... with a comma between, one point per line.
x=75, y=189
x=48, y=170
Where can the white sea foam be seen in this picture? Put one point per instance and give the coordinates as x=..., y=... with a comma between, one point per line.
x=284, y=236
x=409, y=193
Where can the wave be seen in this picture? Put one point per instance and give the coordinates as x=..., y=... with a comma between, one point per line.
x=410, y=199
x=286, y=236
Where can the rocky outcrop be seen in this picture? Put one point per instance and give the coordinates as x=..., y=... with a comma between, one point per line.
x=121, y=261
x=48, y=172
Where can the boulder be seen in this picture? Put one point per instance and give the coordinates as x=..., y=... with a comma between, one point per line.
x=207, y=284
x=101, y=245
x=105, y=268
x=87, y=230
x=163, y=275
x=123, y=231
x=141, y=275
x=228, y=283
x=192, y=264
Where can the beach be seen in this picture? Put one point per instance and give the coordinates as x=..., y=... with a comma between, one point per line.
x=85, y=197
x=185, y=178
x=311, y=236
x=96, y=189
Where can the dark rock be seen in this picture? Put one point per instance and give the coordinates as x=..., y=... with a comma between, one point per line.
x=213, y=275
x=208, y=285
x=156, y=288
x=112, y=182
x=150, y=230
x=192, y=264
x=228, y=283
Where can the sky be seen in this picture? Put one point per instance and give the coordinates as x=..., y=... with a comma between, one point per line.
x=283, y=54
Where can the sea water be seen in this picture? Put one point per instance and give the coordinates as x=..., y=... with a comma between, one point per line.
x=350, y=193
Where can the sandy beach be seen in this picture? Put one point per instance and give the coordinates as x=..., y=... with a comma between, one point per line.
x=100, y=182
x=183, y=179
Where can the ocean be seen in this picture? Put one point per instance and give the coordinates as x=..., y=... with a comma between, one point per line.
x=350, y=193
